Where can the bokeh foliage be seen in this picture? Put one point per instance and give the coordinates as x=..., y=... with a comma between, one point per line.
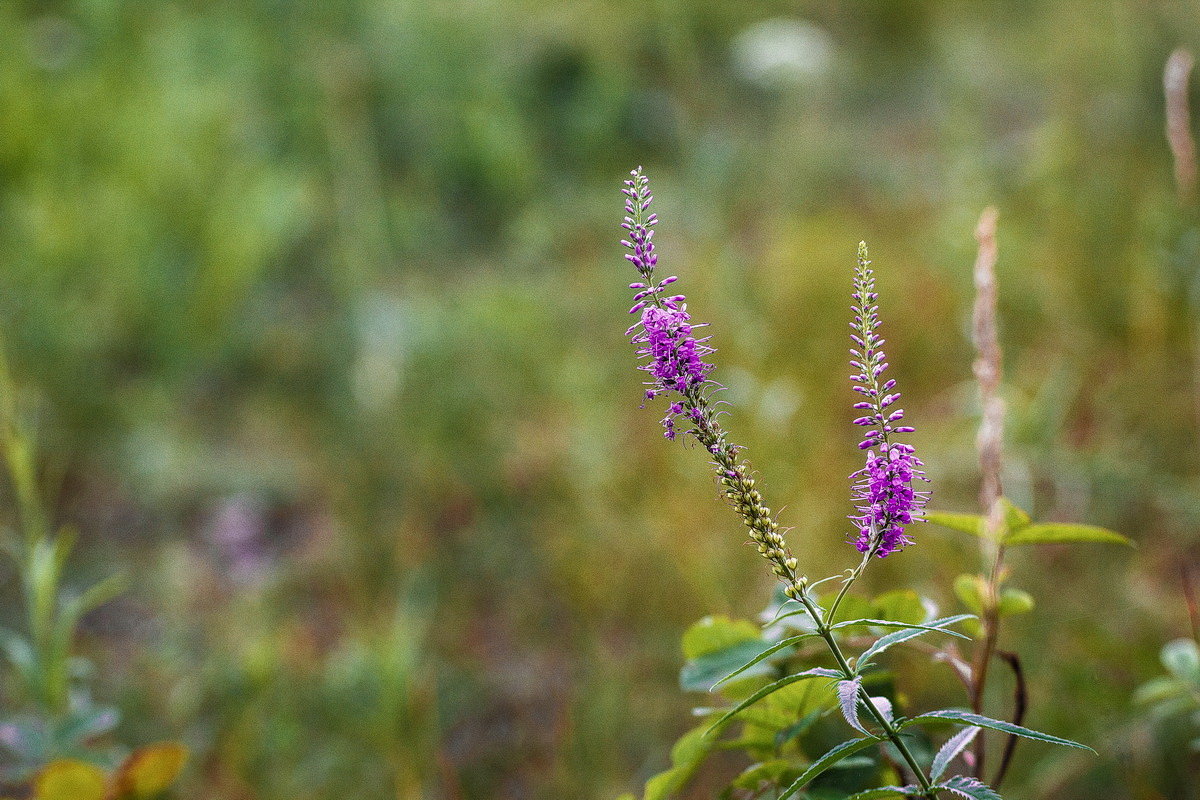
x=317, y=306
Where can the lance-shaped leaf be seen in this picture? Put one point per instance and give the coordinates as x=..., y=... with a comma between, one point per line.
x=884, y=642
x=847, y=692
x=841, y=751
x=788, y=609
x=951, y=749
x=701, y=673
x=791, y=641
x=770, y=688
x=1054, y=532
x=967, y=718
x=970, y=788
x=887, y=623
x=887, y=793
x=1015, y=519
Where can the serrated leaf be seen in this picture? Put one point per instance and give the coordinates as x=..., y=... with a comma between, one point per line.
x=967, y=718
x=701, y=674
x=770, y=688
x=883, y=706
x=883, y=623
x=970, y=788
x=149, y=771
x=1055, y=532
x=1181, y=658
x=1014, y=601
x=833, y=756
x=715, y=633
x=951, y=750
x=791, y=641
x=67, y=779
x=847, y=692
x=911, y=632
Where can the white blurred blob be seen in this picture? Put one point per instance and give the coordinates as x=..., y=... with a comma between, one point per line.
x=384, y=338
x=781, y=52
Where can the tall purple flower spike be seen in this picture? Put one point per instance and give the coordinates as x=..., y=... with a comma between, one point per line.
x=664, y=332
x=883, y=489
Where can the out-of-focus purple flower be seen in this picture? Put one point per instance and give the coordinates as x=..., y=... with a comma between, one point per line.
x=664, y=332
x=883, y=489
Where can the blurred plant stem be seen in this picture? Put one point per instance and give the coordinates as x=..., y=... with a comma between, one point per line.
x=990, y=443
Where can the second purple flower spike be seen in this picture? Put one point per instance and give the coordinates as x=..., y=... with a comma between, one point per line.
x=883, y=489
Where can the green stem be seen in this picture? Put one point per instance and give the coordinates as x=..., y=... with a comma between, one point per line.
x=889, y=729
x=850, y=579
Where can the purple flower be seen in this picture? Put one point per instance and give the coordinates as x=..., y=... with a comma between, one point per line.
x=883, y=489
x=664, y=331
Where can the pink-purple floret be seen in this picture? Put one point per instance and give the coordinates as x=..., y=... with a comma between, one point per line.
x=883, y=490
x=664, y=332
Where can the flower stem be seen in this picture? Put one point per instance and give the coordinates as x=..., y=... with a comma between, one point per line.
x=889, y=730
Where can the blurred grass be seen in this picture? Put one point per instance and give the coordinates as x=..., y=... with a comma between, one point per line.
x=322, y=306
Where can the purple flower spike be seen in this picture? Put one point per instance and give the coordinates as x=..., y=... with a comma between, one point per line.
x=883, y=489
x=664, y=332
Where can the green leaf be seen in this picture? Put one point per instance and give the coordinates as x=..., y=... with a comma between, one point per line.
x=951, y=750
x=1182, y=659
x=902, y=605
x=21, y=655
x=701, y=674
x=787, y=609
x=969, y=590
x=770, y=772
x=912, y=632
x=792, y=731
x=964, y=523
x=1014, y=601
x=717, y=633
x=836, y=754
x=791, y=641
x=886, y=793
x=686, y=756
x=770, y=688
x=970, y=788
x=884, y=623
x=1015, y=519
x=852, y=607
x=1159, y=690
x=1055, y=532
x=967, y=718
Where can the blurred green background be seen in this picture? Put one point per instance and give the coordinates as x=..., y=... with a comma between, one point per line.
x=317, y=308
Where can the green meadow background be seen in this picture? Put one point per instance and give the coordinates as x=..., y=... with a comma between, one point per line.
x=317, y=310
